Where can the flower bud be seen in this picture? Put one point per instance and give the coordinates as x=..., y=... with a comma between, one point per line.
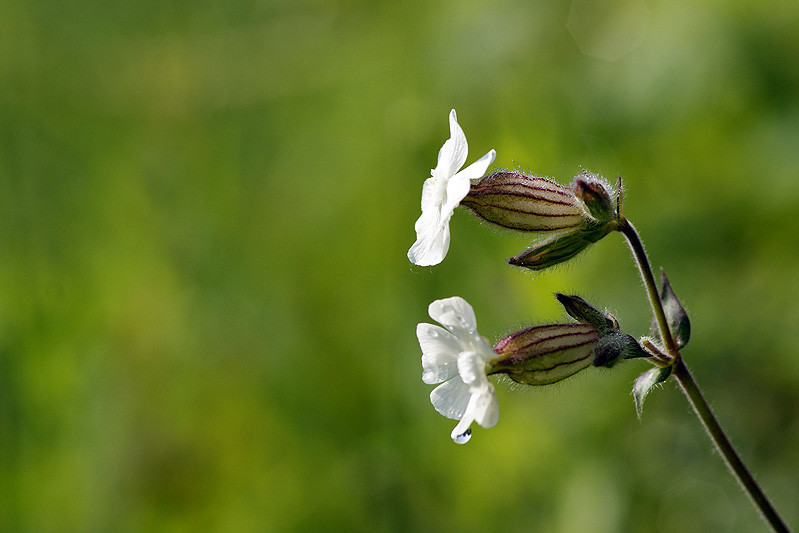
x=584, y=312
x=594, y=194
x=545, y=354
x=527, y=203
x=560, y=248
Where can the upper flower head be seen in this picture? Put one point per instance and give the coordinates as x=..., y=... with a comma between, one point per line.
x=441, y=194
x=458, y=356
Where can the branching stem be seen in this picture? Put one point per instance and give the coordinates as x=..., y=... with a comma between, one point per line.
x=691, y=389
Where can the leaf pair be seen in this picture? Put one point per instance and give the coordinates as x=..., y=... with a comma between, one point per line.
x=680, y=328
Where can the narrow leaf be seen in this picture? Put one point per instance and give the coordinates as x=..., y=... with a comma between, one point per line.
x=645, y=383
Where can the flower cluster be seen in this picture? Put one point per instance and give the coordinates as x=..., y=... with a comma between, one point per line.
x=459, y=361
x=454, y=355
x=569, y=218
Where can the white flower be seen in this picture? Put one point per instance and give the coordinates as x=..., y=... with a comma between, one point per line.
x=458, y=357
x=441, y=194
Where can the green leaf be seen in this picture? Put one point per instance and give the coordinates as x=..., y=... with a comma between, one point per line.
x=676, y=316
x=645, y=383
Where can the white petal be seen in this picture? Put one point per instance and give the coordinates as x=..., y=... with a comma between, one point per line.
x=479, y=167
x=432, y=241
x=451, y=398
x=457, y=188
x=481, y=408
x=459, y=184
x=486, y=407
x=460, y=429
x=455, y=313
x=440, y=350
x=452, y=155
x=429, y=219
x=434, y=193
x=472, y=370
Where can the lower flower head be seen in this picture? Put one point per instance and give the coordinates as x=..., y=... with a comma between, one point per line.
x=458, y=358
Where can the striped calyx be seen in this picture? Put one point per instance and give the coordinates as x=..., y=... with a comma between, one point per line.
x=527, y=203
x=545, y=354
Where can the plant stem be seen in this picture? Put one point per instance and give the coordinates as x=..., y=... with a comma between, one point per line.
x=691, y=389
x=649, y=282
x=733, y=460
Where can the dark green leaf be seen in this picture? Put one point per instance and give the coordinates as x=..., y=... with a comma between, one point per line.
x=677, y=318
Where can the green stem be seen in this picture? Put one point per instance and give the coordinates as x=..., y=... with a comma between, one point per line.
x=733, y=460
x=691, y=389
x=651, y=287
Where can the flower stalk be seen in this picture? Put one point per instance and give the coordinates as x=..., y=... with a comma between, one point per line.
x=641, y=259
x=723, y=444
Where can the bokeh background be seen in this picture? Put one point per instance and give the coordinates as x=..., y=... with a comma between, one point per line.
x=206, y=313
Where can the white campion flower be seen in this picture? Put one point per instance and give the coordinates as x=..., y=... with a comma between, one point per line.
x=441, y=194
x=457, y=357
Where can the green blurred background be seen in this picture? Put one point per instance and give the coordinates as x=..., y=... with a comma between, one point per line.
x=206, y=313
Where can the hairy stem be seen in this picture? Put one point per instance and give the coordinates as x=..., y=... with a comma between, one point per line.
x=651, y=287
x=731, y=457
x=691, y=389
